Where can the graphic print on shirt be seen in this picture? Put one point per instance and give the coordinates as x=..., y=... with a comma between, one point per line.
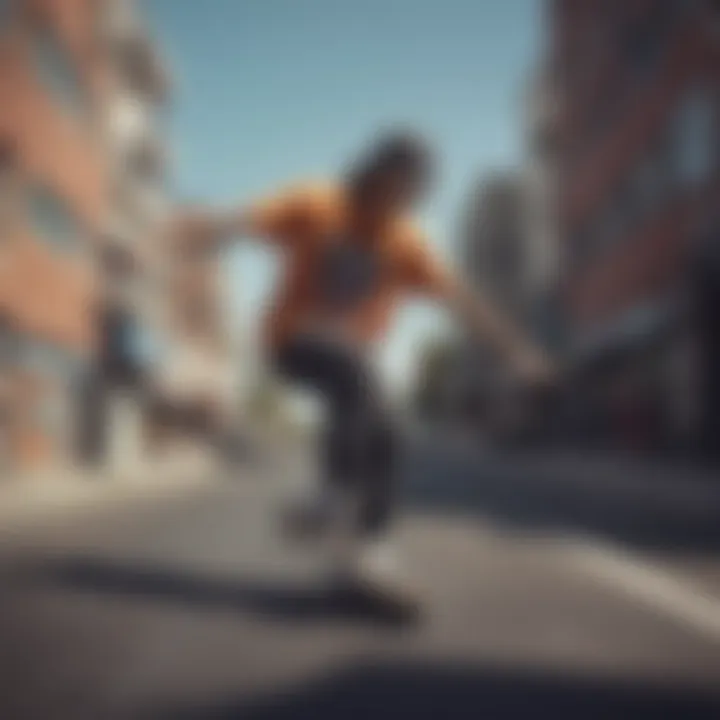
x=349, y=274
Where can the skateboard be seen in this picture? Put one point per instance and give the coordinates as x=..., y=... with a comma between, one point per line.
x=384, y=598
x=381, y=601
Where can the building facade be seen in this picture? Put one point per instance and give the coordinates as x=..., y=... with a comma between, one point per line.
x=541, y=189
x=494, y=241
x=197, y=378
x=133, y=266
x=640, y=179
x=55, y=201
x=494, y=253
x=78, y=175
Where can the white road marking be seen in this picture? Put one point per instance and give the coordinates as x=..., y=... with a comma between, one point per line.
x=669, y=595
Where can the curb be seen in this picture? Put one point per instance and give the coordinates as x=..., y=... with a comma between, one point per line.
x=31, y=501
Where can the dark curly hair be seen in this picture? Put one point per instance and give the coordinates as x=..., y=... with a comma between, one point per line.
x=399, y=151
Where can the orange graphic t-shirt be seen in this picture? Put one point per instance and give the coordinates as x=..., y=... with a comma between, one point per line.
x=339, y=273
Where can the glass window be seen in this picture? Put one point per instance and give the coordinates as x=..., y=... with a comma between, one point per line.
x=582, y=246
x=8, y=345
x=145, y=345
x=644, y=46
x=57, y=70
x=661, y=173
x=53, y=219
x=145, y=163
x=694, y=137
x=46, y=359
x=625, y=211
x=59, y=370
x=50, y=415
x=610, y=223
x=34, y=356
x=8, y=187
x=645, y=185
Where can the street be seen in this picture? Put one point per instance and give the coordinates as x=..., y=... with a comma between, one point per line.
x=545, y=596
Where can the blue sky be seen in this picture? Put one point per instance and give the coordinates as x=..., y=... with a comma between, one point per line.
x=272, y=91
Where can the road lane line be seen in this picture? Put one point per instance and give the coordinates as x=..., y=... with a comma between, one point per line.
x=651, y=586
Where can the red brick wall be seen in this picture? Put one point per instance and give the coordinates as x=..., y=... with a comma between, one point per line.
x=49, y=294
x=649, y=259
x=63, y=152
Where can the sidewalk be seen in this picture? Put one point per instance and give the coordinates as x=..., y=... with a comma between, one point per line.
x=663, y=469
x=660, y=474
x=615, y=482
x=39, y=498
x=609, y=467
x=591, y=477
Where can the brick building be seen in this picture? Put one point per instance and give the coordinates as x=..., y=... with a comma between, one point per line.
x=67, y=193
x=640, y=180
x=130, y=308
x=197, y=377
x=55, y=203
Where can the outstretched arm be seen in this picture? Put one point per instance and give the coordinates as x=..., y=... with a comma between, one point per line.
x=200, y=231
x=478, y=313
x=275, y=219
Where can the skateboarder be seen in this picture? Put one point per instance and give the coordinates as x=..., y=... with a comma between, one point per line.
x=351, y=253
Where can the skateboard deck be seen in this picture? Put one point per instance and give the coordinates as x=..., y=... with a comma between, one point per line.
x=388, y=600
x=380, y=600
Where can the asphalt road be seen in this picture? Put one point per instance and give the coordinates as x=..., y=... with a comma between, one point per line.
x=544, y=597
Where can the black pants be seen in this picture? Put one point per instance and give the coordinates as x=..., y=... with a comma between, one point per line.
x=359, y=444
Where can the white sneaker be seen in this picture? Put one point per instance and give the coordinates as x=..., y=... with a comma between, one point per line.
x=376, y=559
x=378, y=571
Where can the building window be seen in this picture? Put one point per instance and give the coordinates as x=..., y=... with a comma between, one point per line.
x=610, y=223
x=57, y=71
x=8, y=187
x=624, y=211
x=667, y=15
x=662, y=174
x=58, y=370
x=8, y=345
x=647, y=183
x=644, y=48
x=55, y=415
x=53, y=220
x=145, y=163
x=694, y=137
x=583, y=246
x=47, y=360
x=145, y=345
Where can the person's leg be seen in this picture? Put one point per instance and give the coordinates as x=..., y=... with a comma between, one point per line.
x=358, y=443
x=360, y=452
x=378, y=470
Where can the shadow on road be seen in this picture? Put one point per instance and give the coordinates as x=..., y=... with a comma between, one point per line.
x=535, y=502
x=289, y=602
x=447, y=691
